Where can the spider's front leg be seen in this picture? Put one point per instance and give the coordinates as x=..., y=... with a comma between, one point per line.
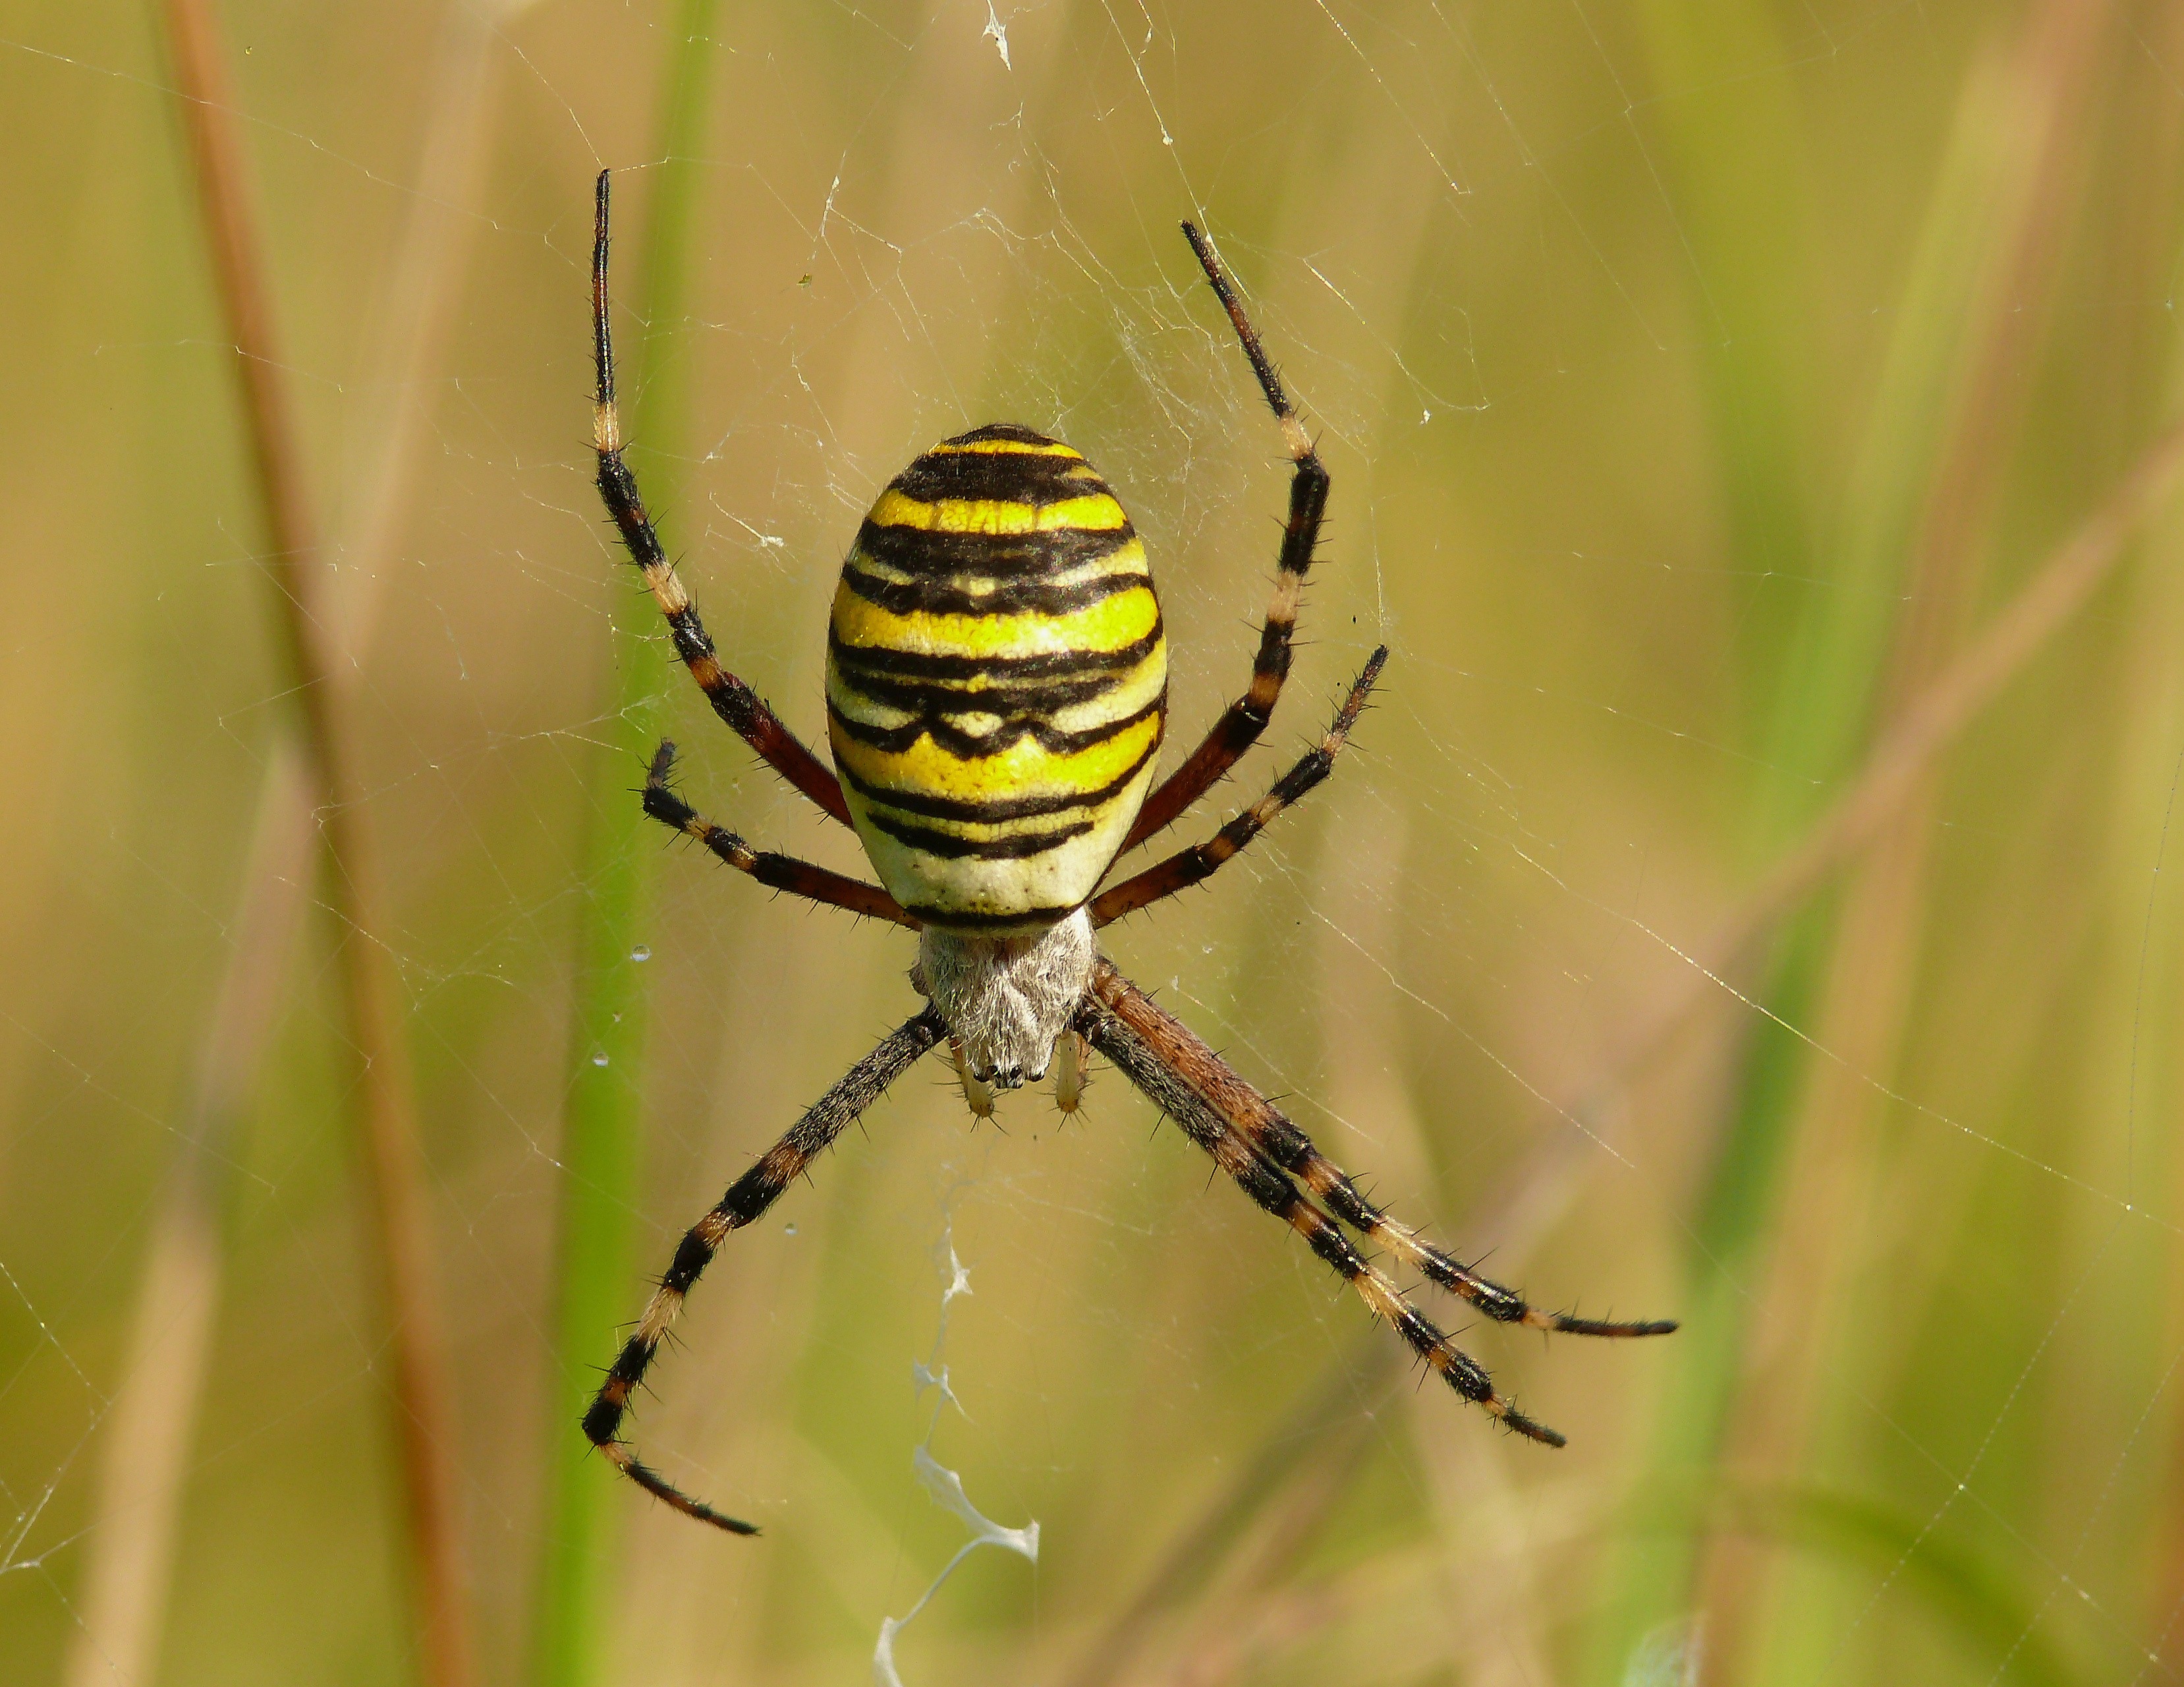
x=735, y=702
x=746, y=1200
x=779, y=872
x=1244, y=720
x=1192, y=866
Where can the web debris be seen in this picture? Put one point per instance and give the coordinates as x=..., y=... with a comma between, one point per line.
x=942, y=1484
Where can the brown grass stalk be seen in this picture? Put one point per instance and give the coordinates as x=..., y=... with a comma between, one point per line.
x=147, y=1440
x=1873, y=968
x=1901, y=755
x=383, y=1091
x=409, y=342
x=147, y=1436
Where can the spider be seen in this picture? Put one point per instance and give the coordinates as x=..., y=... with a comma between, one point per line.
x=996, y=695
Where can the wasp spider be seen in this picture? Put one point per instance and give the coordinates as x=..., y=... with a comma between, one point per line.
x=996, y=695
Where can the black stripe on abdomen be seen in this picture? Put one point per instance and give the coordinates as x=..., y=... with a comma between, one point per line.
x=1042, y=668
x=951, y=847
x=933, y=555
x=998, y=477
x=935, y=717
x=928, y=594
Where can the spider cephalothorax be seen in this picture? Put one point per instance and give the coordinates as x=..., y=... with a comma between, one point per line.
x=1007, y=996
x=996, y=698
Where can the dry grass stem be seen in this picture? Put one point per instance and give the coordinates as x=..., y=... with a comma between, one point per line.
x=146, y=1445
x=1872, y=969
x=130, y=1551
x=421, y=1410
x=1903, y=752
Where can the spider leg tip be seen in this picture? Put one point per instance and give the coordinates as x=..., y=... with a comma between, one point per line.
x=1532, y=1430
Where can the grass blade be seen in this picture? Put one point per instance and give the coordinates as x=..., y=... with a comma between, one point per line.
x=129, y=1566
x=1952, y=398
x=145, y=1452
x=602, y=1142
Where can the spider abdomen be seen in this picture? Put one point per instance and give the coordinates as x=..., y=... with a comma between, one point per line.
x=996, y=680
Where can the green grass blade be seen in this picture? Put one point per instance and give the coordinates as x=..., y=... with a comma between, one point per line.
x=1728, y=113
x=1989, y=1609
x=1730, y=136
x=1653, y=1580
x=1812, y=727
x=602, y=1144
x=1817, y=721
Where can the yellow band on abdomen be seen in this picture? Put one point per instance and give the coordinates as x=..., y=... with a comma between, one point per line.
x=996, y=680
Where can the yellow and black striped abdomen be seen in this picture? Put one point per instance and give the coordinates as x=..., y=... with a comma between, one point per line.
x=996, y=680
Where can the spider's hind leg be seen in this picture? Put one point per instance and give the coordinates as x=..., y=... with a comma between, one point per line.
x=1271, y=1134
x=1272, y=1189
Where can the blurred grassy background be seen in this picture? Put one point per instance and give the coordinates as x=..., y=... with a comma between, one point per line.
x=1701, y=381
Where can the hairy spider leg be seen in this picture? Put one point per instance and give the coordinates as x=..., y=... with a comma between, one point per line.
x=778, y=872
x=1271, y=1134
x=1240, y=724
x=747, y=1199
x=1148, y=1068
x=1192, y=866
x=735, y=702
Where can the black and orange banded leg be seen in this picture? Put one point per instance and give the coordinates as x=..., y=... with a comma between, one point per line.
x=735, y=702
x=748, y=1197
x=1166, y=1089
x=1271, y=1134
x=779, y=872
x=1240, y=724
x=1189, y=866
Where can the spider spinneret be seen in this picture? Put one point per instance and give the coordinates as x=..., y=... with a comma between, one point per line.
x=996, y=699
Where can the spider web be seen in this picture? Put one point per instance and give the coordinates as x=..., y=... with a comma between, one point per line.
x=1497, y=256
